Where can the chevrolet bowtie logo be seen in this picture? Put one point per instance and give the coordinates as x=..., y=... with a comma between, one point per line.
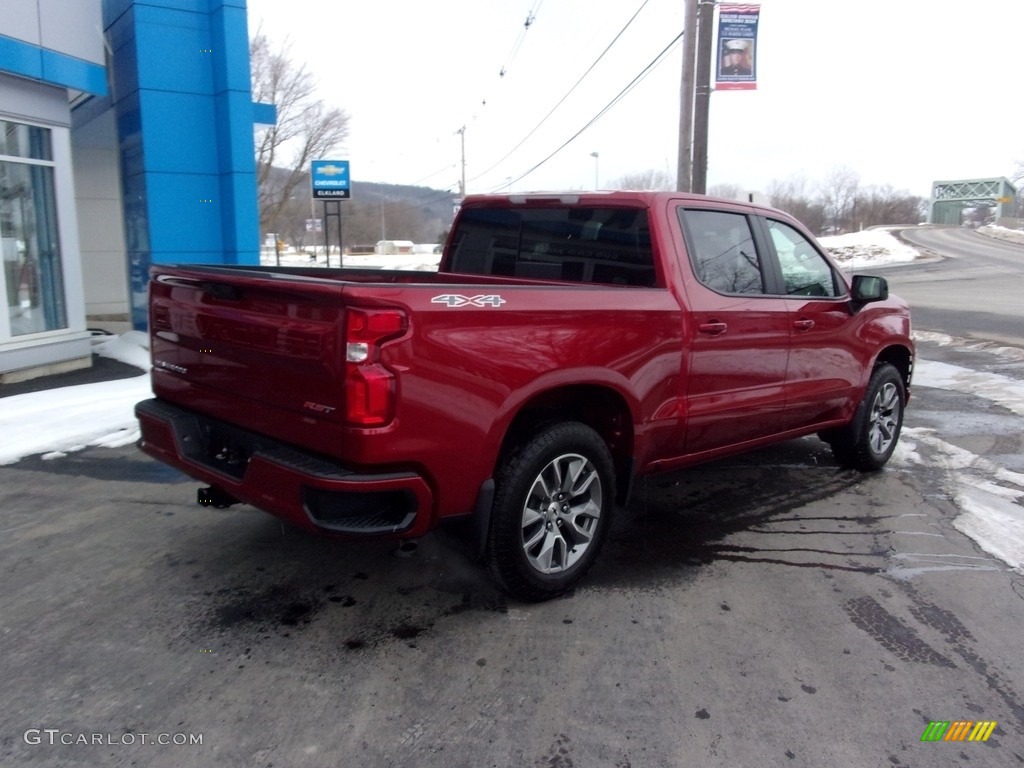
x=330, y=170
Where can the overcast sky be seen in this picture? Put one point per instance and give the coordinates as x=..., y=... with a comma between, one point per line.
x=902, y=92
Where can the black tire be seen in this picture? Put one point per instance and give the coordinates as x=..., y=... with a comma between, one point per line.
x=553, y=504
x=869, y=440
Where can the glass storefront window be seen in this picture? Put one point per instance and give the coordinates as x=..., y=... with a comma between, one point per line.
x=29, y=245
x=20, y=140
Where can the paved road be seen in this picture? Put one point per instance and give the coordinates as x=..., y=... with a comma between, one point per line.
x=769, y=610
x=977, y=291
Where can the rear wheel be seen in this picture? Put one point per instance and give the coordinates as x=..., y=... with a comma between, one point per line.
x=869, y=440
x=552, y=509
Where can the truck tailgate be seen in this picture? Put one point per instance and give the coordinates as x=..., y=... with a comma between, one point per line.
x=231, y=338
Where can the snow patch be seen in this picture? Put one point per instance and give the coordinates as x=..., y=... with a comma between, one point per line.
x=990, y=512
x=131, y=348
x=1001, y=390
x=1009, y=354
x=994, y=522
x=871, y=247
x=55, y=422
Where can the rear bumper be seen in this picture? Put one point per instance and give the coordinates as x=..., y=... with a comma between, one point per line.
x=306, y=489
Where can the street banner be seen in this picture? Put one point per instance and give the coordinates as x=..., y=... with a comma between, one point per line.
x=737, y=47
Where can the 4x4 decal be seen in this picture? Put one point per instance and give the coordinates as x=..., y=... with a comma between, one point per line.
x=458, y=300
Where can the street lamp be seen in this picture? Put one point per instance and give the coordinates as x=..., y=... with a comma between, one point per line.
x=597, y=183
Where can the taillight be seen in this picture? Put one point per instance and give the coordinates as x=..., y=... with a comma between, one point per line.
x=369, y=386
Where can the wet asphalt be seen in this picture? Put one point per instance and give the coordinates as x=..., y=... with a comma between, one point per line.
x=766, y=610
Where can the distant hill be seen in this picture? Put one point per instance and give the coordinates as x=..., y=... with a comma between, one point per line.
x=420, y=214
x=376, y=211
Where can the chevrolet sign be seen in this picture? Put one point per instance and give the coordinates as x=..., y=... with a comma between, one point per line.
x=331, y=180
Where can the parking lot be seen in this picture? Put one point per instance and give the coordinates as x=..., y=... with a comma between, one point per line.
x=765, y=610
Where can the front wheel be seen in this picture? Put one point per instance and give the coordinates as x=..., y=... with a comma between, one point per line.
x=869, y=440
x=553, y=505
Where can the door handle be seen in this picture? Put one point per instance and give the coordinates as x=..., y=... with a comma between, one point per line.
x=712, y=329
x=803, y=324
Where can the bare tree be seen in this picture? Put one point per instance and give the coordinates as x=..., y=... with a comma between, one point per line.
x=305, y=130
x=792, y=197
x=839, y=191
x=884, y=205
x=649, y=179
x=727, y=191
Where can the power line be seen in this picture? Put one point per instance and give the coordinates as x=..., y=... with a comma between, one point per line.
x=621, y=94
x=436, y=196
x=566, y=96
x=531, y=17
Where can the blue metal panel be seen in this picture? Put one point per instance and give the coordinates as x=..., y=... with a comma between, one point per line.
x=118, y=29
x=241, y=242
x=124, y=60
x=21, y=58
x=190, y=6
x=235, y=147
x=175, y=50
x=185, y=121
x=112, y=9
x=231, y=68
x=74, y=73
x=185, y=215
x=264, y=114
x=172, y=147
x=28, y=60
x=229, y=25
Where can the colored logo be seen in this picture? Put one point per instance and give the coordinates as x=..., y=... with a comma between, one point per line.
x=958, y=730
x=331, y=170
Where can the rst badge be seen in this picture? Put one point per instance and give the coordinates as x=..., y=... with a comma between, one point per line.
x=458, y=300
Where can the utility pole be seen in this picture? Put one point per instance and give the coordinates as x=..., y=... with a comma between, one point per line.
x=702, y=96
x=684, y=169
x=462, y=183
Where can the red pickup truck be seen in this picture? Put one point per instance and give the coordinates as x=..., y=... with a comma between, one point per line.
x=568, y=344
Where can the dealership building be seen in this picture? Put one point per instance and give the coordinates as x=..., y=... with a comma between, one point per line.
x=126, y=139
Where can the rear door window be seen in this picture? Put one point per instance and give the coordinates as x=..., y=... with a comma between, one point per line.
x=722, y=252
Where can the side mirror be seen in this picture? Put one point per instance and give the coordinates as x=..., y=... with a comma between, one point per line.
x=868, y=288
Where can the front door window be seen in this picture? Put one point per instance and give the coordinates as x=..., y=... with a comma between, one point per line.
x=804, y=271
